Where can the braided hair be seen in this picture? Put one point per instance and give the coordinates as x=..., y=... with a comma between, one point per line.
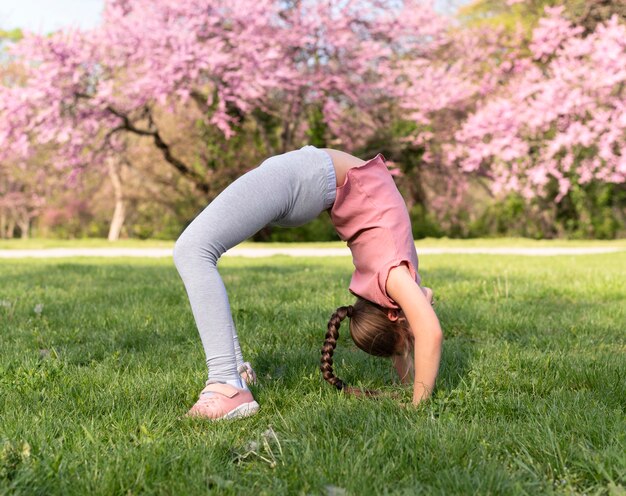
x=371, y=330
x=328, y=348
x=332, y=335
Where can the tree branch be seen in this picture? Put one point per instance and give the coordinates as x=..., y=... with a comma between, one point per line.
x=165, y=148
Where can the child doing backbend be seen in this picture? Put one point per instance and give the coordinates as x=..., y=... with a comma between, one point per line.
x=392, y=316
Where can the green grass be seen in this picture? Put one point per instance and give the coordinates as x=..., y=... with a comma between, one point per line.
x=530, y=396
x=26, y=244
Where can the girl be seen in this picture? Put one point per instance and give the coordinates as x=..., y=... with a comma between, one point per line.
x=393, y=314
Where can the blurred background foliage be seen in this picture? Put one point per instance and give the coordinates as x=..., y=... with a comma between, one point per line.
x=158, y=203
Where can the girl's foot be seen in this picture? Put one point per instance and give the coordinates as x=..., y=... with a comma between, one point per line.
x=219, y=400
x=246, y=373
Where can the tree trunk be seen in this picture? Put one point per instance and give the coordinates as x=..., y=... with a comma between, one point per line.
x=119, y=213
x=24, y=225
x=3, y=223
x=10, y=227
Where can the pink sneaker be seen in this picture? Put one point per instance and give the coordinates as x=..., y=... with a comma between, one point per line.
x=227, y=402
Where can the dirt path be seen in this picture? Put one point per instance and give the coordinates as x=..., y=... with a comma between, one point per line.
x=294, y=252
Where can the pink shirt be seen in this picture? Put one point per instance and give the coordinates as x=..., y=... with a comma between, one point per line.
x=370, y=214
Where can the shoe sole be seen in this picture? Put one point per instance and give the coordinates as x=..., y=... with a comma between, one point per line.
x=244, y=410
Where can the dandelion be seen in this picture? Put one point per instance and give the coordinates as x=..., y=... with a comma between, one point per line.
x=267, y=448
x=38, y=308
x=5, y=303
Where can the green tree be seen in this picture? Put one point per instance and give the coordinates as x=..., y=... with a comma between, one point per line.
x=12, y=35
x=586, y=13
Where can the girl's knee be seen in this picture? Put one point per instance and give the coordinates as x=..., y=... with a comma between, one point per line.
x=181, y=251
x=190, y=249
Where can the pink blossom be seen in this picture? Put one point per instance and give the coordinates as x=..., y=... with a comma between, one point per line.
x=567, y=100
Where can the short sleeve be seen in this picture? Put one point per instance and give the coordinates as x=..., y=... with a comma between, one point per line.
x=383, y=275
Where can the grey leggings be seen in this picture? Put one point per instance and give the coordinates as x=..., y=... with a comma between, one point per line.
x=285, y=190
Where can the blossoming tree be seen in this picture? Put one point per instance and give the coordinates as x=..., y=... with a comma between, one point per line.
x=253, y=60
x=561, y=118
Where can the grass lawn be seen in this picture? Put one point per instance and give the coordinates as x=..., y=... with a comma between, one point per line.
x=100, y=358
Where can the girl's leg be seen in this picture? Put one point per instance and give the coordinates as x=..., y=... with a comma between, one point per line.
x=248, y=204
x=287, y=190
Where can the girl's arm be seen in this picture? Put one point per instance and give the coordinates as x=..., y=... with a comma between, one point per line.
x=404, y=363
x=403, y=289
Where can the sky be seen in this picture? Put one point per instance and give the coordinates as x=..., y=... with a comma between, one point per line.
x=43, y=16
